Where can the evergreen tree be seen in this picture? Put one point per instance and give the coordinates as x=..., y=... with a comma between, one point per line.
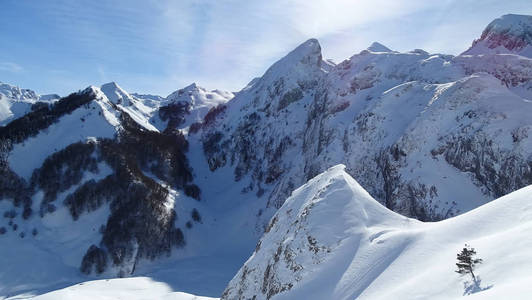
x=467, y=263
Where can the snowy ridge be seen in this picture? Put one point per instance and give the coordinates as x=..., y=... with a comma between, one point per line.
x=332, y=240
x=198, y=101
x=135, y=108
x=16, y=102
x=97, y=119
x=508, y=34
x=378, y=47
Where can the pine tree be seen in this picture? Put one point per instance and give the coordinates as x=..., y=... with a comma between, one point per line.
x=467, y=263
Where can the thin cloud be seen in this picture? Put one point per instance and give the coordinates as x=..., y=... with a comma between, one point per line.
x=11, y=67
x=158, y=46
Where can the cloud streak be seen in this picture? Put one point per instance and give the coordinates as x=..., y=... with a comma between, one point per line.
x=158, y=46
x=11, y=67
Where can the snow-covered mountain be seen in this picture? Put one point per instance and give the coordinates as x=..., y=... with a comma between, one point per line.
x=189, y=105
x=91, y=152
x=180, y=188
x=507, y=34
x=332, y=240
x=392, y=118
x=16, y=102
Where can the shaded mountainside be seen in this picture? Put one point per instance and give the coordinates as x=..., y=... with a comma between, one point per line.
x=131, y=172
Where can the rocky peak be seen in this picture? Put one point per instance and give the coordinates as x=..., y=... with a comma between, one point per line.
x=198, y=96
x=16, y=93
x=300, y=62
x=508, y=34
x=185, y=94
x=378, y=47
x=307, y=53
x=116, y=94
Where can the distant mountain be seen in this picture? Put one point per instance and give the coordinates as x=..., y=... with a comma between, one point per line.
x=189, y=105
x=507, y=34
x=16, y=102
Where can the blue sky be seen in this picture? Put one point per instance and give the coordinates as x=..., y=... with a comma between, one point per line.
x=158, y=46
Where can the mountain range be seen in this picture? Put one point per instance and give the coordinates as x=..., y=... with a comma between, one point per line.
x=338, y=180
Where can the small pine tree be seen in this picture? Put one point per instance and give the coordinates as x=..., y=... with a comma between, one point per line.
x=467, y=263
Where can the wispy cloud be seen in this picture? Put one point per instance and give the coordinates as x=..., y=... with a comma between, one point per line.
x=158, y=46
x=11, y=67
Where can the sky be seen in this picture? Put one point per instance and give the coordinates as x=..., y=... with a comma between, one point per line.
x=159, y=46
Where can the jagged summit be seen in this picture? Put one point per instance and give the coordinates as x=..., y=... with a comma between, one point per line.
x=115, y=93
x=305, y=58
x=15, y=102
x=508, y=34
x=378, y=47
x=308, y=52
x=16, y=93
x=191, y=86
x=197, y=95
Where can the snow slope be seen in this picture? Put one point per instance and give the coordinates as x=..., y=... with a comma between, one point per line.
x=96, y=119
x=135, y=108
x=138, y=288
x=332, y=240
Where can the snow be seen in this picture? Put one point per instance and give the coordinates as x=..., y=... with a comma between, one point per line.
x=135, y=108
x=200, y=100
x=378, y=47
x=50, y=259
x=138, y=288
x=361, y=250
x=415, y=100
x=15, y=102
x=94, y=120
x=144, y=109
x=508, y=34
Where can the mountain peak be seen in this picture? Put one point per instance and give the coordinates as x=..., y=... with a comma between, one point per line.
x=308, y=52
x=115, y=93
x=300, y=64
x=192, y=87
x=378, y=47
x=325, y=217
x=185, y=94
x=510, y=33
